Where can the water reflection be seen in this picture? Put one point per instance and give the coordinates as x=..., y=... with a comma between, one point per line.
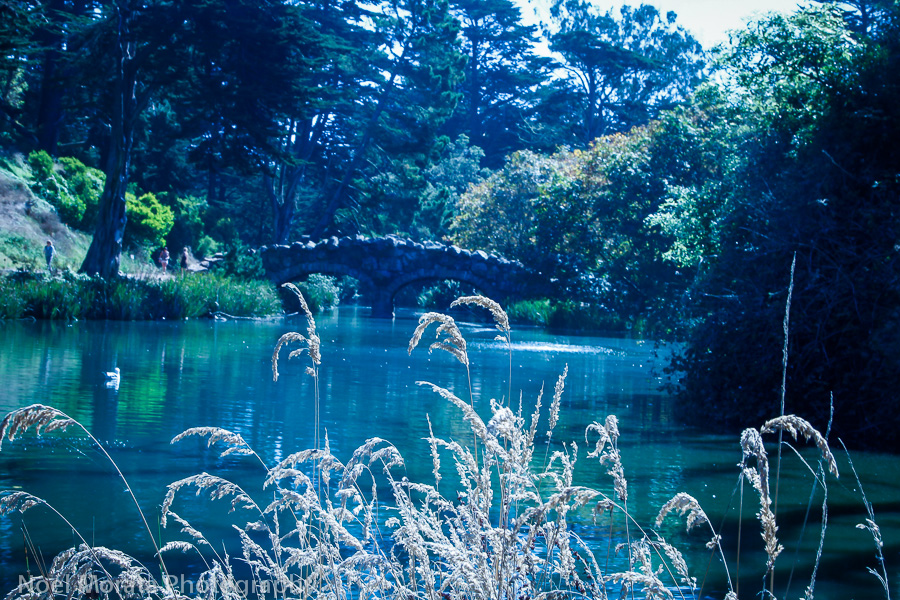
x=180, y=375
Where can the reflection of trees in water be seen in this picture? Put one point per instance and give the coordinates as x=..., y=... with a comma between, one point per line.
x=172, y=374
x=105, y=413
x=99, y=355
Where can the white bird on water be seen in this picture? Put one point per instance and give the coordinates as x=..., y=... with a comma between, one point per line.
x=112, y=378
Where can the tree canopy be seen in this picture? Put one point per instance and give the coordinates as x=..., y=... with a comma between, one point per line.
x=594, y=147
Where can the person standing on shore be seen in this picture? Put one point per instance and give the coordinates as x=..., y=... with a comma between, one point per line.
x=184, y=260
x=48, y=253
x=164, y=259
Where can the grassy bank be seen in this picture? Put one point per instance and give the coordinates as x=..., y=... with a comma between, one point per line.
x=69, y=296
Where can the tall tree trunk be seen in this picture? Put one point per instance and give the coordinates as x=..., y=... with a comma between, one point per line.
x=282, y=189
x=337, y=197
x=103, y=256
x=50, y=114
x=282, y=198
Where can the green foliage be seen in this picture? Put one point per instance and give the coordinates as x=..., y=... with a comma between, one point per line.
x=812, y=177
x=581, y=217
x=531, y=312
x=568, y=315
x=12, y=302
x=338, y=120
x=446, y=180
x=52, y=298
x=322, y=292
x=697, y=146
x=41, y=165
x=206, y=246
x=17, y=27
x=498, y=214
x=205, y=293
x=622, y=68
x=74, y=297
x=71, y=187
x=242, y=262
x=349, y=287
x=86, y=184
x=440, y=295
x=188, y=225
x=149, y=221
x=502, y=70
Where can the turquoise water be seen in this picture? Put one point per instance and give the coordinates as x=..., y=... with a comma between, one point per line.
x=202, y=373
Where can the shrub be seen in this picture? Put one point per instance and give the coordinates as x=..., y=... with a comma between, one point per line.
x=206, y=246
x=243, y=262
x=86, y=184
x=349, y=287
x=70, y=186
x=440, y=294
x=188, y=228
x=148, y=220
x=321, y=292
x=50, y=184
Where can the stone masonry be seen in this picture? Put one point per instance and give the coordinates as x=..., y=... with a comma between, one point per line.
x=385, y=265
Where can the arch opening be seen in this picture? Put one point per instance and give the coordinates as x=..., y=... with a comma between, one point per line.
x=322, y=291
x=434, y=294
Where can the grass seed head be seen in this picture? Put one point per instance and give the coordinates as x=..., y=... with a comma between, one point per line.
x=453, y=342
x=795, y=425
x=37, y=416
x=500, y=316
x=683, y=503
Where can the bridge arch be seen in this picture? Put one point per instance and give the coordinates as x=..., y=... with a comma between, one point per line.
x=385, y=297
x=337, y=269
x=383, y=266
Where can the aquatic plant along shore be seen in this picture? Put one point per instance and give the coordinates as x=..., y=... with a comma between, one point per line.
x=70, y=296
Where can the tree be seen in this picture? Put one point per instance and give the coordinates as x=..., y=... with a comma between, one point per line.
x=501, y=71
x=126, y=103
x=457, y=169
x=266, y=79
x=17, y=25
x=864, y=17
x=621, y=71
x=818, y=105
x=38, y=43
x=580, y=216
x=239, y=79
x=414, y=97
x=317, y=129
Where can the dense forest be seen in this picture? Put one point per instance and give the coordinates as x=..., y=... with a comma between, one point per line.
x=694, y=194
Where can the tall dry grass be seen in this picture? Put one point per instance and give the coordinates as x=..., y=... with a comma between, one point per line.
x=506, y=527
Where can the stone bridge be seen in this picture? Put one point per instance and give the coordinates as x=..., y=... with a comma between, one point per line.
x=385, y=265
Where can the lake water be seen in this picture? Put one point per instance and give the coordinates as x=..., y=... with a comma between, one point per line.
x=202, y=373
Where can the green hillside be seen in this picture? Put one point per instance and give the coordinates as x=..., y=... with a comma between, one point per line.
x=27, y=222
